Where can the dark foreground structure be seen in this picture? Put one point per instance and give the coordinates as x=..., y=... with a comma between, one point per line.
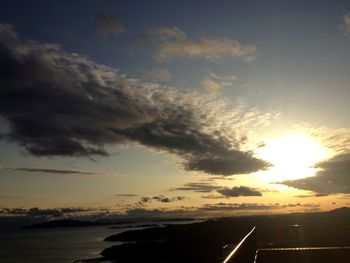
x=294, y=238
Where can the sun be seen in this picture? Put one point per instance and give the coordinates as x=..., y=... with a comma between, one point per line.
x=292, y=155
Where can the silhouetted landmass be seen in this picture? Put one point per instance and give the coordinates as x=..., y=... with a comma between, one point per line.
x=198, y=242
x=134, y=226
x=173, y=219
x=203, y=242
x=62, y=224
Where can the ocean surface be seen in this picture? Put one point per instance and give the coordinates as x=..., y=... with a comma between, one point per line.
x=63, y=245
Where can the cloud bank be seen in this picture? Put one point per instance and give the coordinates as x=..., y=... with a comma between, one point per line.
x=216, y=209
x=62, y=104
x=47, y=213
x=333, y=178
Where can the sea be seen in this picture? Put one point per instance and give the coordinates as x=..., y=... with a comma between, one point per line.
x=59, y=245
x=63, y=245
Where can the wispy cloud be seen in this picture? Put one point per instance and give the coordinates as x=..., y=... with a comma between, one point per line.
x=197, y=187
x=214, y=82
x=51, y=171
x=170, y=42
x=254, y=206
x=337, y=140
x=62, y=104
x=126, y=195
x=108, y=24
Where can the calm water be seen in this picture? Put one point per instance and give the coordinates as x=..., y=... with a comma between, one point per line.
x=54, y=245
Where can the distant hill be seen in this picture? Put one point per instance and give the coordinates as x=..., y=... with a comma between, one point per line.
x=341, y=211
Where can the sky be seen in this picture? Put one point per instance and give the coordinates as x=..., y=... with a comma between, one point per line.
x=173, y=108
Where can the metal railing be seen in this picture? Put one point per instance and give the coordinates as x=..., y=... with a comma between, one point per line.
x=243, y=251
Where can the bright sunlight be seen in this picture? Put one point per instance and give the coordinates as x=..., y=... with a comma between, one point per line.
x=293, y=156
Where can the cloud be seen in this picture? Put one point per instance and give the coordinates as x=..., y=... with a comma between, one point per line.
x=214, y=83
x=346, y=24
x=161, y=199
x=47, y=213
x=126, y=195
x=253, y=206
x=197, y=187
x=333, y=177
x=217, y=209
x=337, y=140
x=204, y=187
x=213, y=178
x=310, y=195
x=170, y=42
x=62, y=104
x=107, y=24
x=221, y=165
x=211, y=196
x=161, y=74
x=239, y=191
x=51, y=171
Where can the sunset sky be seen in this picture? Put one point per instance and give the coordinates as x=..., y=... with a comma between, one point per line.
x=152, y=108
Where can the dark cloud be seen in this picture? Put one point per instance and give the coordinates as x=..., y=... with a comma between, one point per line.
x=36, y=212
x=333, y=177
x=61, y=104
x=51, y=171
x=310, y=195
x=197, y=187
x=213, y=178
x=221, y=165
x=107, y=24
x=239, y=191
x=126, y=195
x=161, y=199
x=204, y=187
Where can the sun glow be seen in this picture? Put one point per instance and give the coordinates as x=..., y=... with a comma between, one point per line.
x=292, y=155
